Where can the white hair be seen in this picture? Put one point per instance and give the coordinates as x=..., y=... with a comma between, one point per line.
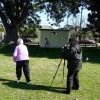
x=20, y=41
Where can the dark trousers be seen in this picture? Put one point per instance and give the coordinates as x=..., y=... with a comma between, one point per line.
x=72, y=80
x=25, y=66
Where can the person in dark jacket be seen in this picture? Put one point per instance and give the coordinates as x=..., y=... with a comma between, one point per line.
x=74, y=65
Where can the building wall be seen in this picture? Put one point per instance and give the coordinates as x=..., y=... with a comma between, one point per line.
x=57, y=40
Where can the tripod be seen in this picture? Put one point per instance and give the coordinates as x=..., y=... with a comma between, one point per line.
x=57, y=71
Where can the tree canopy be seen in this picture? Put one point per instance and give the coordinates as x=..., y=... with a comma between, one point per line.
x=15, y=13
x=57, y=9
x=94, y=16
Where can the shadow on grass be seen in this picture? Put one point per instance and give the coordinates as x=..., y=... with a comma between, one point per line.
x=34, y=51
x=23, y=85
x=92, y=53
x=53, y=53
x=7, y=50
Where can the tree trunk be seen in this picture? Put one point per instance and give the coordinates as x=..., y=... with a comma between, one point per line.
x=11, y=31
x=11, y=35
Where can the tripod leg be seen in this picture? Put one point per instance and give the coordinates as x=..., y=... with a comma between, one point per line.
x=56, y=73
x=63, y=69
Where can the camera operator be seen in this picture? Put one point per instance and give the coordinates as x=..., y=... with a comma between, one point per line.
x=74, y=59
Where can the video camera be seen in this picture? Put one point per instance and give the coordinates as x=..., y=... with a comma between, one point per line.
x=65, y=52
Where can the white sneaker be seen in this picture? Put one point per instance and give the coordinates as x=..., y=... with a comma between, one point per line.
x=17, y=81
x=29, y=83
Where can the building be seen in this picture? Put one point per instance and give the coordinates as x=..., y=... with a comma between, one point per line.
x=54, y=38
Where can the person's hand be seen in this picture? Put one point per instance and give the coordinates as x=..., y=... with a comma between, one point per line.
x=14, y=59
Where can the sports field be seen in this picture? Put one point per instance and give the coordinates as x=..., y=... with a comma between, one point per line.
x=43, y=65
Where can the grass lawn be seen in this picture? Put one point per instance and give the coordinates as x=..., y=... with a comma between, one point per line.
x=43, y=65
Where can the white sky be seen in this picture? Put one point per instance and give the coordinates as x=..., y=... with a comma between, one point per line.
x=45, y=22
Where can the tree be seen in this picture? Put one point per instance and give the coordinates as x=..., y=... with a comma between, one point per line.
x=57, y=10
x=12, y=14
x=94, y=16
x=29, y=29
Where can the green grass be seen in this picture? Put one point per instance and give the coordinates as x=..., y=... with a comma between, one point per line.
x=43, y=65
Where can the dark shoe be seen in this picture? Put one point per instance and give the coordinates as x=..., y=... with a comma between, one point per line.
x=75, y=88
x=67, y=92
